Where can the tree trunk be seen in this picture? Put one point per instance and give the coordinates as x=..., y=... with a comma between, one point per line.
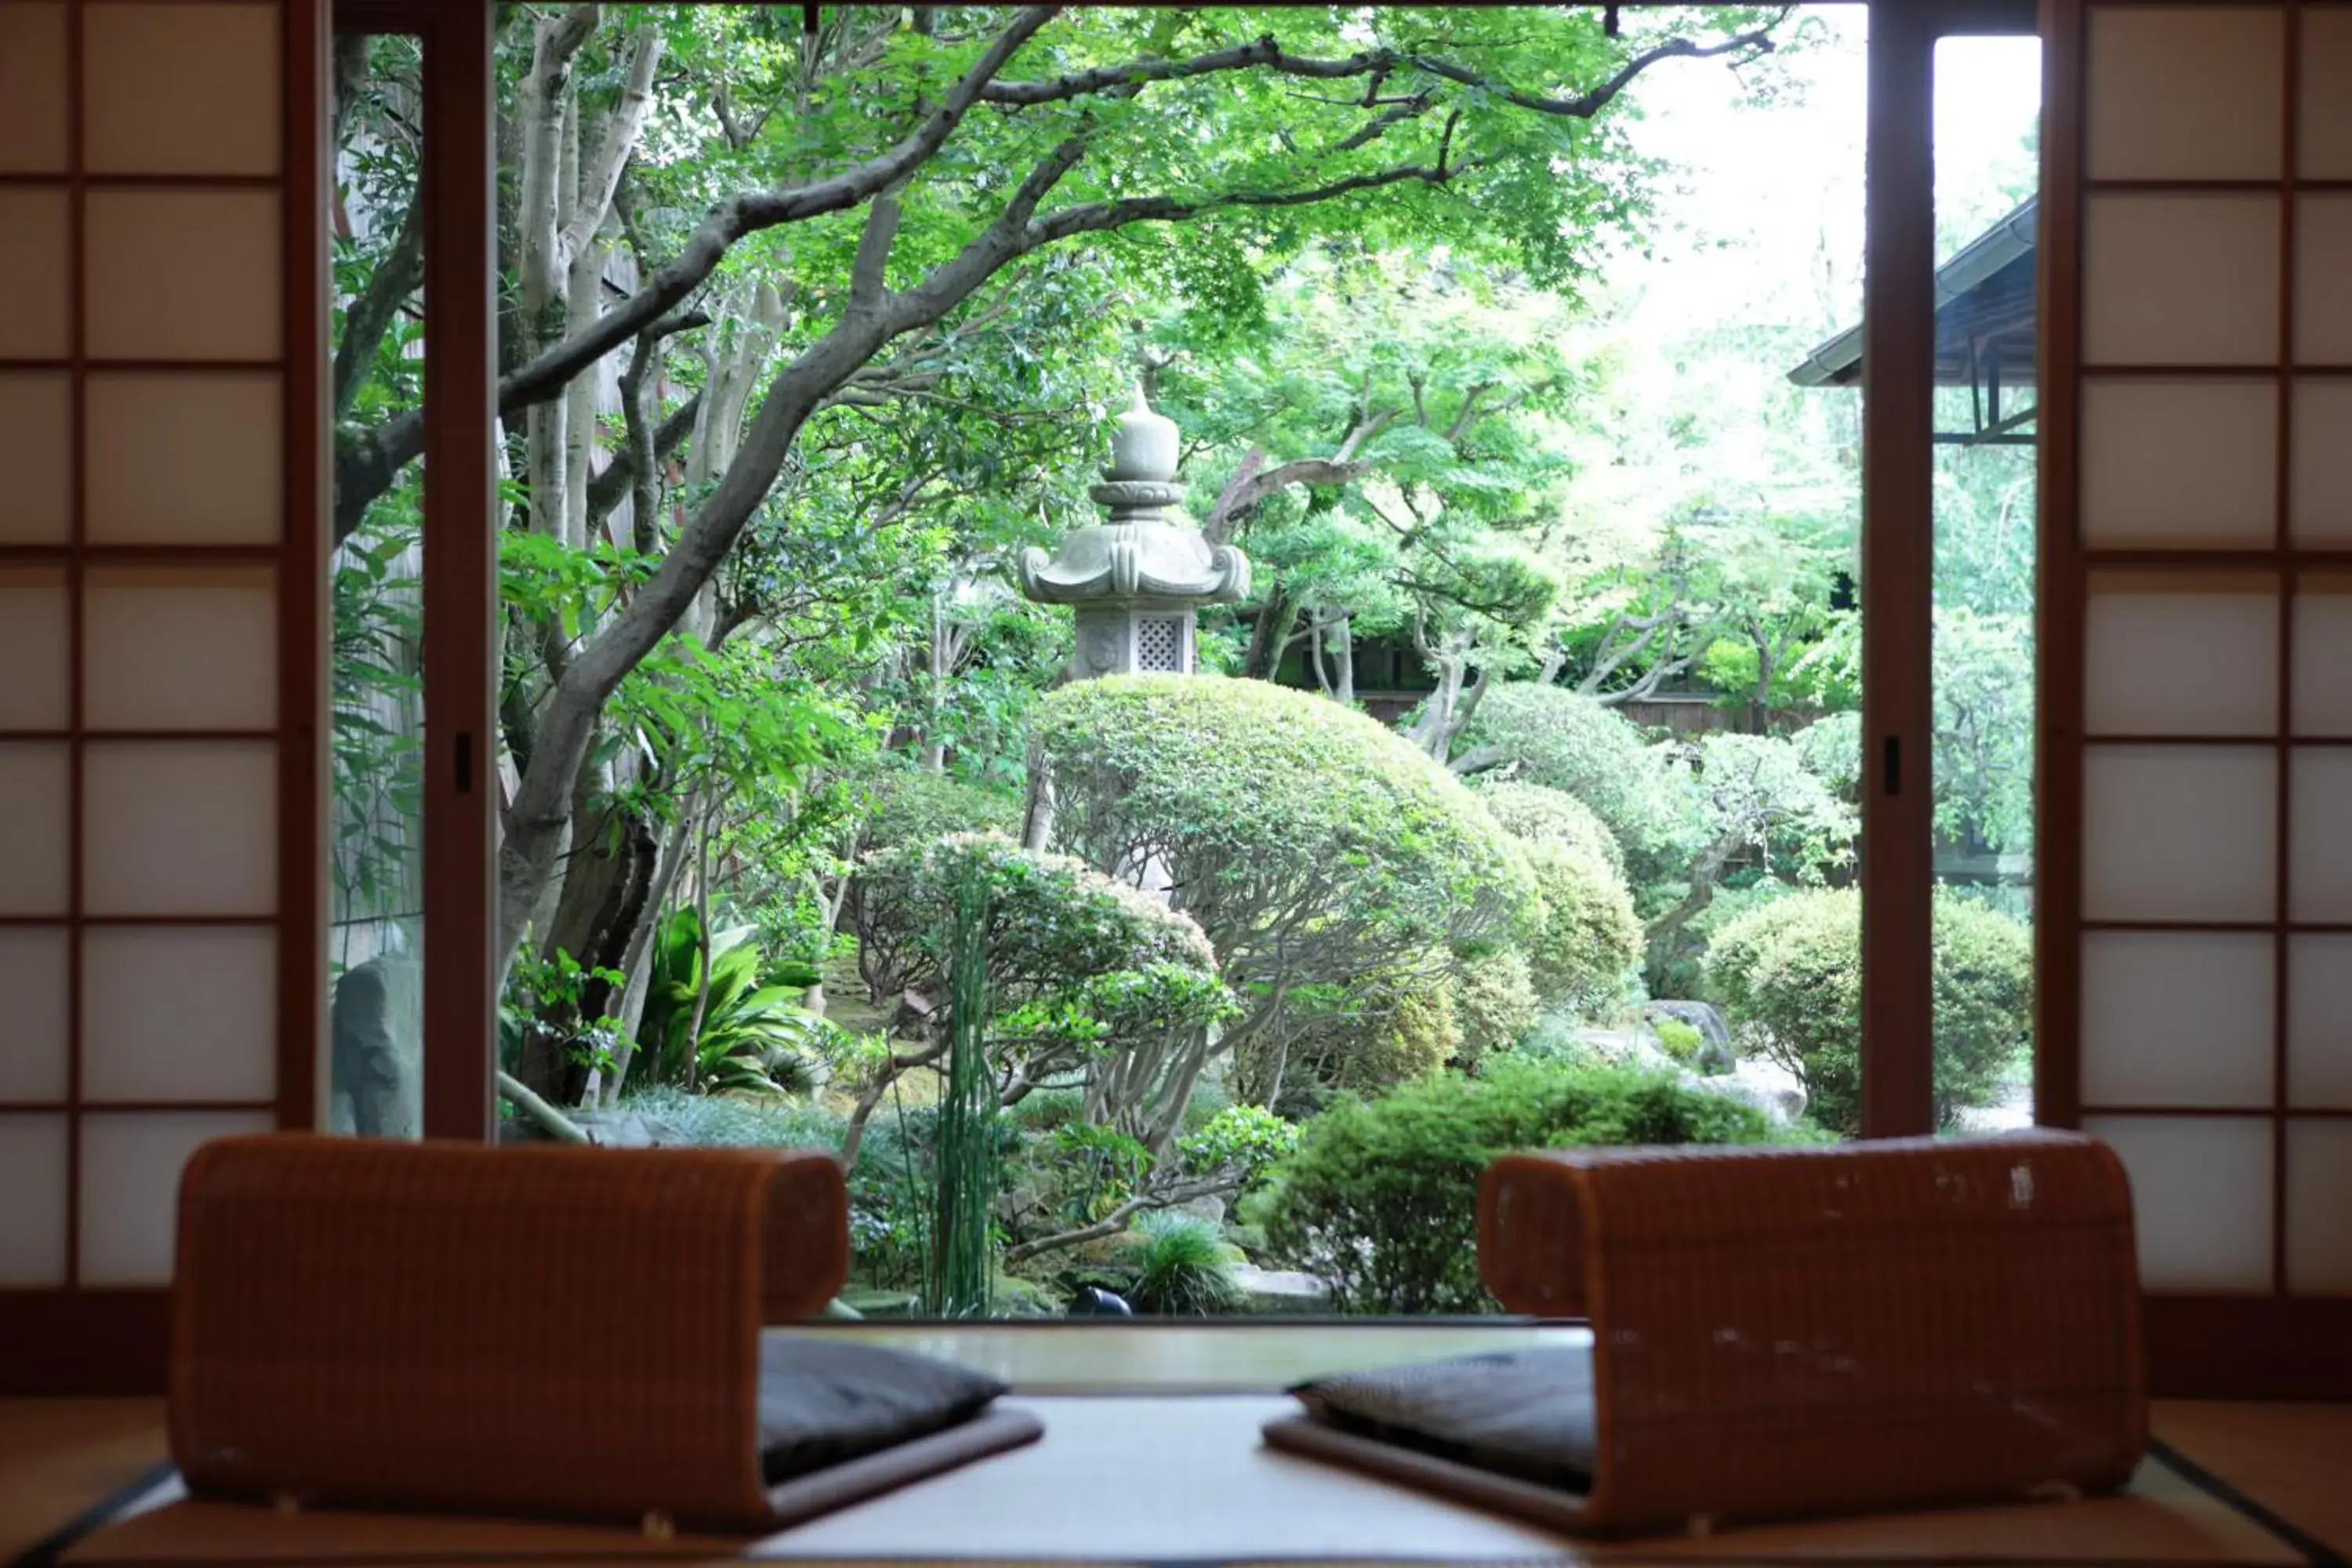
x=935, y=690
x=1340, y=637
x=637, y=962
x=1706, y=873
x=1276, y=618
x=709, y=947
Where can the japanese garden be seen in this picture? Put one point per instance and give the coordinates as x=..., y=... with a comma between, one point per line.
x=1166, y=627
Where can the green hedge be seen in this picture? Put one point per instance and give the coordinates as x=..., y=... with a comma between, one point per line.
x=1380, y=1198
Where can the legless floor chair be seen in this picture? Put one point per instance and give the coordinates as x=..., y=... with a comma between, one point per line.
x=1778, y=1333
x=540, y=1332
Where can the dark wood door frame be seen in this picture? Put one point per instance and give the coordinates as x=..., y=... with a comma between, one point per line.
x=1898, y=551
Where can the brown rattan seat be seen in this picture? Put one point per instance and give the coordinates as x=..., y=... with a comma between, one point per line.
x=540, y=1330
x=1784, y=1332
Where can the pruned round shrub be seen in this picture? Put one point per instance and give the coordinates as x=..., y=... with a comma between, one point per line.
x=1495, y=1003
x=1565, y=740
x=1415, y=1036
x=1314, y=846
x=911, y=806
x=1386, y=1028
x=1788, y=976
x=1534, y=813
x=1079, y=966
x=1054, y=922
x=1588, y=937
x=1381, y=1200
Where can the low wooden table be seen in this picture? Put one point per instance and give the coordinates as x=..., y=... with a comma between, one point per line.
x=1152, y=1457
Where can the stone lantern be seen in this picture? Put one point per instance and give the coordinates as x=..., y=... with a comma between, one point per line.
x=1137, y=580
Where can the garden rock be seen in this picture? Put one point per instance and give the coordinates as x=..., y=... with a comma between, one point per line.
x=1628, y=1048
x=1760, y=1082
x=1715, y=1052
x=615, y=1128
x=1280, y=1291
x=1211, y=1208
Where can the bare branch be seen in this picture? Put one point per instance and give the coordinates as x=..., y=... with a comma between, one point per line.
x=866, y=269
x=1373, y=129
x=1463, y=416
x=1218, y=526
x=1116, y=1221
x=606, y=489
x=397, y=276
x=1379, y=64
x=1091, y=217
x=366, y=468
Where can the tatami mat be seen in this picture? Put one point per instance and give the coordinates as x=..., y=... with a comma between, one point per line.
x=1184, y=1480
x=61, y=1456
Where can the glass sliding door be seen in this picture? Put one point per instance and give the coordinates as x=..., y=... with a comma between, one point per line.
x=376, y=651
x=1988, y=103
x=411, y=574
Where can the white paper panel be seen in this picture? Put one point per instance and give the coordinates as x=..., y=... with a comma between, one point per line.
x=180, y=828
x=185, y=460
x=37, y=454
x=2319, y=842
x=2190, y=94
x=179, y=1013
x=2322, y=280
x=2200, y=1198
x=2180, y=279
x=32, y=89
x=2323, y=664
x=32, y=1200
x=140, y=630
x=2177, y=1019
x=2324, y=56
x=219, y=299
x=2320, y=1020
x=33, y=1040
x=2319, y=1207
x=131, y=1165
x=2319, y=498
x=2179, y=833
x=180, y=89
x=2180, y=462
x=34, y=651
x=32, y=261
x=35, y=829
x=2181, y=664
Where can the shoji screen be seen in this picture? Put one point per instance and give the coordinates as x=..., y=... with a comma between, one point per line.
x=2197, y=965
x=161, y=300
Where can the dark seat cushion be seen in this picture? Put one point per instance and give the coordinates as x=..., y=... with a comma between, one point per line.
x=825, y=1400
x=1521, y=1413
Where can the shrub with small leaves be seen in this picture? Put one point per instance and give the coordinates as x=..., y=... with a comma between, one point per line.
x=1315, y=846
x=1239, y=1140
x=1788, y=976
x=1565, y=740
x=1380, y=1198
x=1495, y=1003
